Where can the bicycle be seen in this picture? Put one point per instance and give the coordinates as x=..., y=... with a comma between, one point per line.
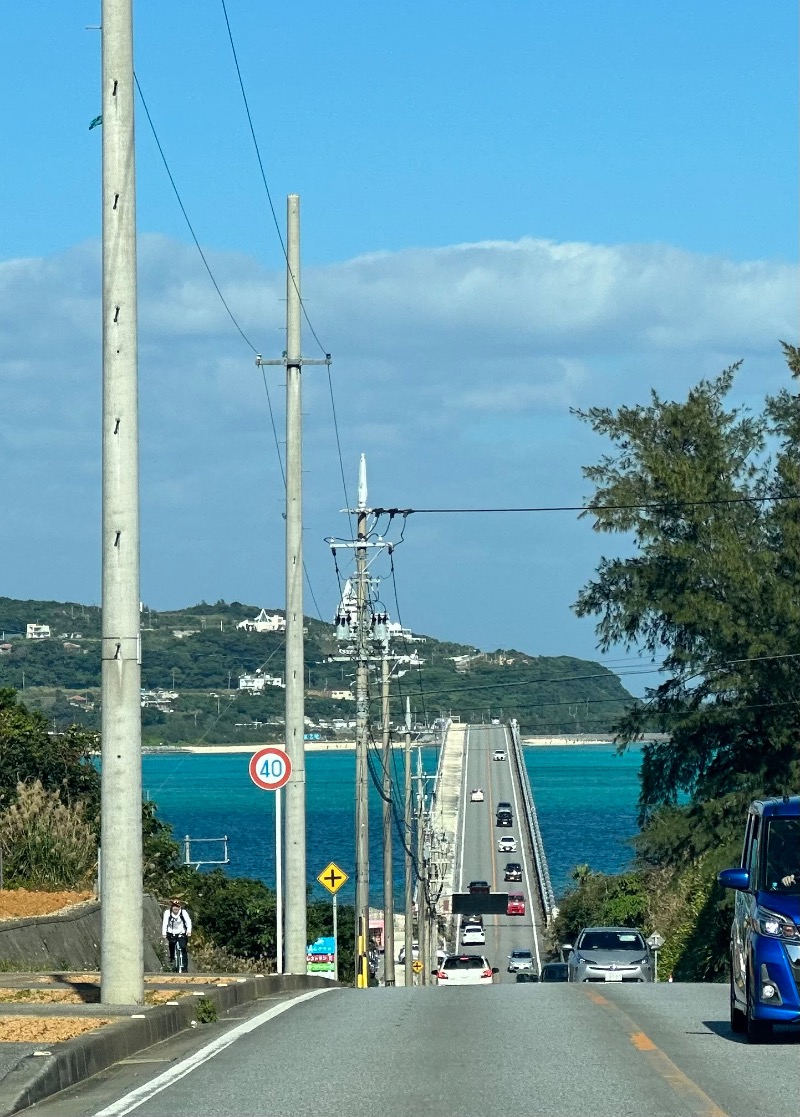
x=180, y=953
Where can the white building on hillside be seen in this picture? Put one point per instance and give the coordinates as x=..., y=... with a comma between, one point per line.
x=259, y=681
x=264, y=622
x=37, y=632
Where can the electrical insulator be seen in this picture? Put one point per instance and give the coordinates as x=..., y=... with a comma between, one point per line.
x=380, y=631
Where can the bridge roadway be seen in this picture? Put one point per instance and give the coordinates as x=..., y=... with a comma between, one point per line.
x=477, y=856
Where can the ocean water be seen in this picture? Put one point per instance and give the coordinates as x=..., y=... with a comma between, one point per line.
x=585, y=798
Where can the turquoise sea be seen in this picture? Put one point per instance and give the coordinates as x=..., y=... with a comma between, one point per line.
x=585, y=797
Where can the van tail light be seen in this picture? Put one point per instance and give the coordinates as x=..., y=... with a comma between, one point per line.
x=486, y=973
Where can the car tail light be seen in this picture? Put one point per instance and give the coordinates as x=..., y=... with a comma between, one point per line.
x=441, y=975
x=486, y=973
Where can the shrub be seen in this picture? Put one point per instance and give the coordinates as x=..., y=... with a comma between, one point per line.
x=46, y=844
x=206, y=1011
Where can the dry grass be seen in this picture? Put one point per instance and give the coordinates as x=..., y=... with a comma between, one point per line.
x=45, y=843
x=46, y=1029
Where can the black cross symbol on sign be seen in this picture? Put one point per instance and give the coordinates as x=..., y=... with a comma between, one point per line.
x=332, y=878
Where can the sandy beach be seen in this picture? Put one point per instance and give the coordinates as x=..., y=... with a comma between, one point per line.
x=344, y=746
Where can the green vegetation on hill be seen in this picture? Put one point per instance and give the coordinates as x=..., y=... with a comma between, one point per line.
x=202, y=665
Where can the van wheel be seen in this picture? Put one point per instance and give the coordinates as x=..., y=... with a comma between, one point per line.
x=738, y=1018
x=758, y=1031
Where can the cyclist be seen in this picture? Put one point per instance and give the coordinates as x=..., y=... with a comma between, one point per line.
x=176, y=928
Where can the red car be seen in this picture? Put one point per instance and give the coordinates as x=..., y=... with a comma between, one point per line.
x=516, y=904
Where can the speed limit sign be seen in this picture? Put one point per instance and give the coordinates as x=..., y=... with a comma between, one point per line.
x=270, y=768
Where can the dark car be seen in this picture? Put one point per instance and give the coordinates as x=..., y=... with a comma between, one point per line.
x=765, y=933
x=554, y=971
x=479, y=887
x=503, y=815
x=513, y=871
x=523, y=976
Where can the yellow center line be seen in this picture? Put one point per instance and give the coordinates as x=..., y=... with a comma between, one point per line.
x=695, y=1099
x=642, y=1042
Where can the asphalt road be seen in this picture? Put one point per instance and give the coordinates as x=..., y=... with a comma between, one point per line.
x=513, y=1050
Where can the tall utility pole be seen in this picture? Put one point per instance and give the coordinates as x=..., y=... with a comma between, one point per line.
x=409, y=878
x=363, y=634
x=388, y=866
x=295, y=815
x=294, y=844
x=362, y=734
x=121, y=931
x=422, y=879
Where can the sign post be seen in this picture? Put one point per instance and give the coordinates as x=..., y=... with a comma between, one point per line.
x=270, y=768
x=655, y=942
x=332, y=878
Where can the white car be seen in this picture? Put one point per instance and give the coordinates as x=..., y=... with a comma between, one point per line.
x=507, y=844
x=401, y=957
x=499, y=754
x=472, y=934
x=476, y=795
x=465, y=969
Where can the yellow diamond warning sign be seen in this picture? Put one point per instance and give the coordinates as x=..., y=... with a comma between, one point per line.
x=332, y=878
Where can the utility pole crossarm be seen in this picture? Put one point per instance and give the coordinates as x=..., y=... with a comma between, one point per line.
x=297, y=362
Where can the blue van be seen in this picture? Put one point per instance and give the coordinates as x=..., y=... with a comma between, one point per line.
x=765, y=933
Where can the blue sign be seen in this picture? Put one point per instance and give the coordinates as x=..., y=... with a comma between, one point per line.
x=326, y=944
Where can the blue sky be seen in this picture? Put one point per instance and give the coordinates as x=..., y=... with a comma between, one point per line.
x=508, y=209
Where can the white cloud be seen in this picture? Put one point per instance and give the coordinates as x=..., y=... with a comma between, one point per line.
x=454, y=370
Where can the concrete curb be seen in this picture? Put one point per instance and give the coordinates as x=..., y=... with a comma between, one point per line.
x=37, y=1077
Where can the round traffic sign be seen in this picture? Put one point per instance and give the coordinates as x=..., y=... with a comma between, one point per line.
x=270, y=768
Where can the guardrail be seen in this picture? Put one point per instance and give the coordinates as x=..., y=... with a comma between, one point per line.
x=539, y=857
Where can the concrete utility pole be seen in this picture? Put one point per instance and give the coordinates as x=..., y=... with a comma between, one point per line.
x=295, y=815
x=122, y=958
x=422, y=881
x=388, y=867
x=295, y=913
x=362, y=732
x=409, y=878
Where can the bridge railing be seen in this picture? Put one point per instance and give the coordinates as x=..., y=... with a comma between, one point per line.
x=539, y=857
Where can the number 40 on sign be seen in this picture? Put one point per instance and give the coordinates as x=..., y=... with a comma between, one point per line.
x=270, y=768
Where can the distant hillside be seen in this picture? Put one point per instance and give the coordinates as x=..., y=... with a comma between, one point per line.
x=198, y=655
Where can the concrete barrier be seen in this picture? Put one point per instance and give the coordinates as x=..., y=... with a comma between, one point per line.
x=70, y=940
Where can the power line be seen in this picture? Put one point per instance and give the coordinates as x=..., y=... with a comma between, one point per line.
x=648, y=506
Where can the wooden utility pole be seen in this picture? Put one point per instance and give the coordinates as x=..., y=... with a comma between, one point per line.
x=121, y=908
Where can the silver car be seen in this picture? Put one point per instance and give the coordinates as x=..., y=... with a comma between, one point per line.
x=609, y=954
x=520, y=959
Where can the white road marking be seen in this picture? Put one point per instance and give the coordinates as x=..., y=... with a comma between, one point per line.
x=142, y=1094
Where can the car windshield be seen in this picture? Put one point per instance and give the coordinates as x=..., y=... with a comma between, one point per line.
x=520, y=954
x=782, y=860
x=611, y=940
x=466, y=962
